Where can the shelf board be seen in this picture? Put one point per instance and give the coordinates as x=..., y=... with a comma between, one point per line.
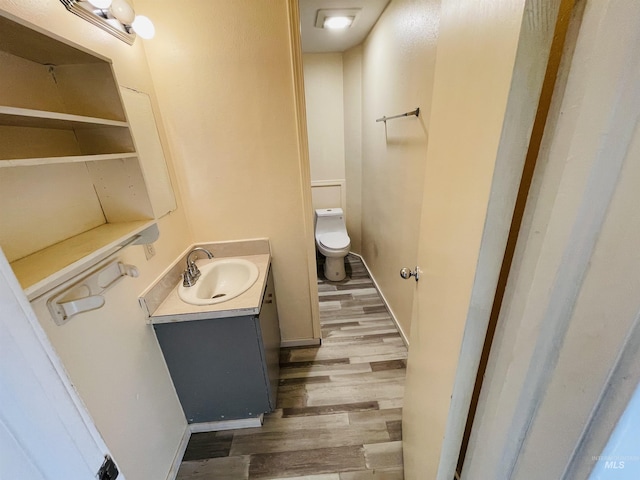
x=29, y=162
x=47, y=268
x=26, y=117
x=35, y=44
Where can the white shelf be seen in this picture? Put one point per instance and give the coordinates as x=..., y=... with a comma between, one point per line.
x=61, y=114
x=43, y=270
x=25, y=117
x=29, y=162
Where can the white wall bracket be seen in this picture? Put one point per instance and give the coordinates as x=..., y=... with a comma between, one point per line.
x=88, y=293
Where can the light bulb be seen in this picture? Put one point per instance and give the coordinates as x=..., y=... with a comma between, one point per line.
x=143, y=27
x=337, y=22
x=102, y=4
x=123, y=11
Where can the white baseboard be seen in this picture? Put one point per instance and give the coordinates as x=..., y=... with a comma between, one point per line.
x=384, y=300
x=300, y=343
x=177, y=460
x=208, y=427
x=226, y=425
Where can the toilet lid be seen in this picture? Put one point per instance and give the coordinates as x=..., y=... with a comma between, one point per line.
x=335, y=240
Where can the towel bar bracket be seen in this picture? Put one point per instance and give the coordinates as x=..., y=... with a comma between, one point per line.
x=88, y=293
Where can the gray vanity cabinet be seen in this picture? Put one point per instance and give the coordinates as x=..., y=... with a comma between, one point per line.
x=225, y=368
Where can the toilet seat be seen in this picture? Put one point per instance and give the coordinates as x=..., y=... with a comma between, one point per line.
x=334, y=240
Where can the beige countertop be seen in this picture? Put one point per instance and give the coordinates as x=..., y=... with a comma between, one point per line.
x=163, y=305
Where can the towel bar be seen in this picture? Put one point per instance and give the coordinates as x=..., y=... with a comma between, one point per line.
x=415, y=112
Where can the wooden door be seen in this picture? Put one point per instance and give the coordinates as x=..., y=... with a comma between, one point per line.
x=490, y=70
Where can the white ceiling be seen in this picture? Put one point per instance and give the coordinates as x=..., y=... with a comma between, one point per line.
x=319, y=40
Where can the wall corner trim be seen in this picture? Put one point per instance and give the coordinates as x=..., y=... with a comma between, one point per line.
x=177, y=459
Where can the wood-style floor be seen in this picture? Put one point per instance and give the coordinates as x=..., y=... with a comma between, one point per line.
x=339, y=406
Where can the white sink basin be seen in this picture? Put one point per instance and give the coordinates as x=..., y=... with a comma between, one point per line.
x=220, y=280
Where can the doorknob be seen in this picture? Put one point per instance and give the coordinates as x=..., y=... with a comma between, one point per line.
x=406, y=273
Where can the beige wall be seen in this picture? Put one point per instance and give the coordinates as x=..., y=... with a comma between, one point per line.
x=333, y=93
x=325, y=114
x=111, y=354
x=352, y=71
x=325, y=128
x=397, y=76
x=224, y=79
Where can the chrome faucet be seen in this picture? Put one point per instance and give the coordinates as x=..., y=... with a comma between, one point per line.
x=192, y=273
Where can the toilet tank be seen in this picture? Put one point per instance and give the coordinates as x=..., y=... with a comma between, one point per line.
x=329, y=220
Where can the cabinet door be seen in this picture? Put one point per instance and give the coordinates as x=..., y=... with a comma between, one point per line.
x=216, y=367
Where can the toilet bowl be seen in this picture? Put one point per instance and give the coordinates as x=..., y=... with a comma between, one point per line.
x=332, y=241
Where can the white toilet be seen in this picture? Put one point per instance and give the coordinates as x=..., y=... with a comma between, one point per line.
x=332, y=241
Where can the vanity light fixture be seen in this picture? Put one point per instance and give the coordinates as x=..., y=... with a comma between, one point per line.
x=143, y=27
x=116, y=17
x=122, y=11
x=100, y=3
x=336, y=19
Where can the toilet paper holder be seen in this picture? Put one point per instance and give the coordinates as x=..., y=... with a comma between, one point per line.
x=88, y=293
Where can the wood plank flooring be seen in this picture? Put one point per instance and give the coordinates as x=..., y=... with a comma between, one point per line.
x=339, y=407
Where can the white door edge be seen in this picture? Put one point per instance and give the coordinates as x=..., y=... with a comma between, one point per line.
x=44, y=415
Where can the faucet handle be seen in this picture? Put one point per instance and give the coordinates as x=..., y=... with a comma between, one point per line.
x=192, y=273
x=187, y=279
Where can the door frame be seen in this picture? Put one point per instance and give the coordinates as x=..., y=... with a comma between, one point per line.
x=293, y=11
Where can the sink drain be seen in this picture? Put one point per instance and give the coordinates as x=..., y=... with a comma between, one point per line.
x=219, y=295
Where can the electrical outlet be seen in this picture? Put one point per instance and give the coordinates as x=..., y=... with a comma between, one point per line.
x=149, y=250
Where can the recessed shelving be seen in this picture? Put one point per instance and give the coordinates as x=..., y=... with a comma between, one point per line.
x=72, y=190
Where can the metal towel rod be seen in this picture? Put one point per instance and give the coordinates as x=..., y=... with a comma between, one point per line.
x=415, y=112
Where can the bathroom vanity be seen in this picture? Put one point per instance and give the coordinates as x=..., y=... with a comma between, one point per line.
x=223, y=358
